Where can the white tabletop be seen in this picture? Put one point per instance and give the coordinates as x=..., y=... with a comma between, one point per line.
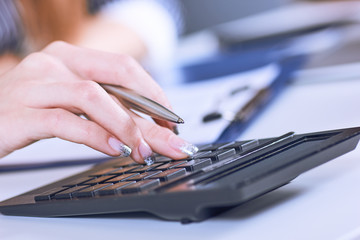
x=322, y=203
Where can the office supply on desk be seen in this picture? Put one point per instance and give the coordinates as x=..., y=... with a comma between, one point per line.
x=216, y=113
x=142, y=104
x=290, y=50
x=204, y=97
x=264, y=96
x=218, y=177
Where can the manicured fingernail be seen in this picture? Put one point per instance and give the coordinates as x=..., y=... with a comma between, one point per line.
x=149, y=160
x=118, y=146
x=146, y=152
x=180, y=144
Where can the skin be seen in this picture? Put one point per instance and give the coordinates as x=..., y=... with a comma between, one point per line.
x=44, y=95
x=101, y=33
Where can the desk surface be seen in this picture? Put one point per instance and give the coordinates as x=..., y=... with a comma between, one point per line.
x=320, y=204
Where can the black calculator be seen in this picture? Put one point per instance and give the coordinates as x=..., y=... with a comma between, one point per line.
x=218, y=177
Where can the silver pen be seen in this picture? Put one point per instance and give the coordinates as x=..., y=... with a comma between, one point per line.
x=135, y=101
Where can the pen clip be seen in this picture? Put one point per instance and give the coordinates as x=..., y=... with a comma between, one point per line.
x=250, y=107
x=219, y=113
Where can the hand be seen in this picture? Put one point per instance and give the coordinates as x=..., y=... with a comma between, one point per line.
x=46, y=93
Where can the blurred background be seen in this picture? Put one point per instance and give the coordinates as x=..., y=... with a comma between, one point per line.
x=327, y=32
x=200, y=14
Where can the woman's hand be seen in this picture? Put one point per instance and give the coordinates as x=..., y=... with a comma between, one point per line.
x=45, y=94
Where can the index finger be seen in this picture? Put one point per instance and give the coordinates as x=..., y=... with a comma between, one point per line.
x=108, y=68
x=104, y=67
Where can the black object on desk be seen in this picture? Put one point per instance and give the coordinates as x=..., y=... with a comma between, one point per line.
x=241, y=57
x=218, y=177
x=262, y=99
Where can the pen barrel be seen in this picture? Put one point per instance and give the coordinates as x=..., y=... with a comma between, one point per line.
x=253, y=105
x=142, y=104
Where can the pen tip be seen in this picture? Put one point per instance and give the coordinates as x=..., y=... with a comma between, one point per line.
x=180, y=120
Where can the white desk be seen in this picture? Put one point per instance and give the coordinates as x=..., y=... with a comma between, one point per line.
x=320, y=204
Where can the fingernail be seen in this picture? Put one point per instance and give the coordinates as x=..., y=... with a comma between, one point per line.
x=118, y=146
x=146, y=152
x=180, y=144
x=149, y=160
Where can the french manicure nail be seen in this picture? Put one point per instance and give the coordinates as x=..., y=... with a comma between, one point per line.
x=180, y=144
x=146, y=152
x=149, y=160
x=118, y=146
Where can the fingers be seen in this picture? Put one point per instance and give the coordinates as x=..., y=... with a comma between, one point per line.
x=53, y=84
x=82, y=97
x=89, y=98
x=68, y=126
x=109, y=68
x=21, y=128
x=164, y=141
x=161, y=139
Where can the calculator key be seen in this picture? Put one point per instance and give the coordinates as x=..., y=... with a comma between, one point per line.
x=249, y=145
x=123, y=170
x=123, y=177
x=141, y=186
x=99, y=180
x=81, y=181
x=169, y=174
x=102, y=172
x=90, y=191
x=114, y=188
x=67, y=194
x=49, y=194
x=144, y=168
x=142, y=176
x=201, y=154
x=195, y=164
x=162, y=159
x=210, y=147
x=198, y=155
x=169, y=165
x=219, y=155
x=124, y=162
x=235, y=145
